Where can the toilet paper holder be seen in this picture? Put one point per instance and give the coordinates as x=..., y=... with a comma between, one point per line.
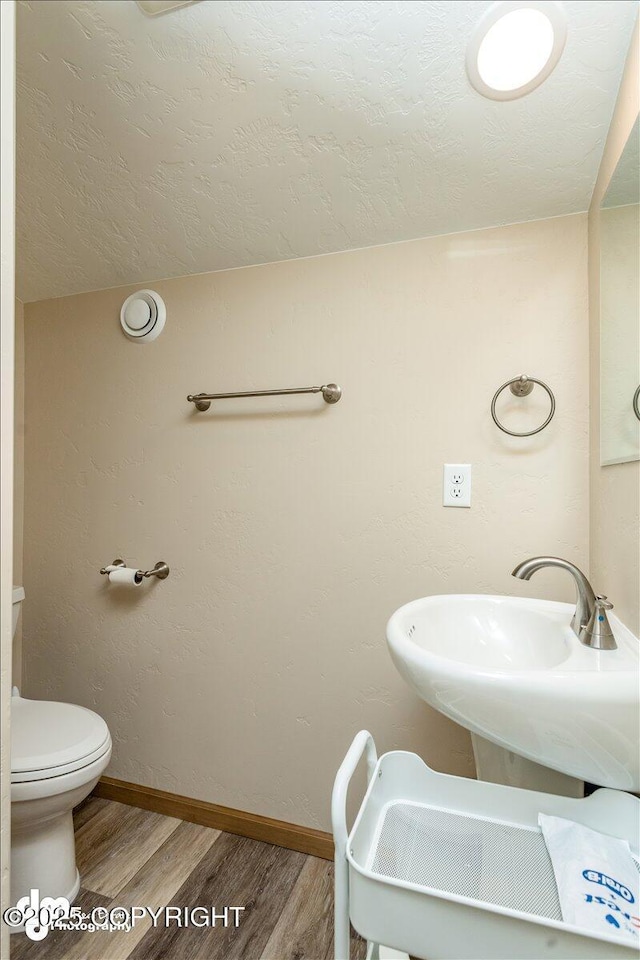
x=161, y=570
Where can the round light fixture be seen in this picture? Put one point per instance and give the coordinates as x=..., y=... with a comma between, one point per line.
x=515, y=47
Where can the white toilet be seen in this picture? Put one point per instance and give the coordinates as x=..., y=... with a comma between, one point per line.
x=58, y=753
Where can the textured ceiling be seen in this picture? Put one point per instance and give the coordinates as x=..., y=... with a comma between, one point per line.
x=231, y=132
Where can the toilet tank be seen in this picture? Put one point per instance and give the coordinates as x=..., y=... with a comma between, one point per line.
x=18, y=597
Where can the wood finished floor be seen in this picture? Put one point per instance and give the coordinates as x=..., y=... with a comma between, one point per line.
x=129, y=857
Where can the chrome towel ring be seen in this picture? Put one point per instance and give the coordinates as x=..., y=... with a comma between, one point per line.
x=522, y=387
x=636, y=399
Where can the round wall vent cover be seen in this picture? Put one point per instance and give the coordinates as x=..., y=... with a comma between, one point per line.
x=143, y=315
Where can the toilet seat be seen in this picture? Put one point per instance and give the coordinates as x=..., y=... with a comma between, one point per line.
x=50, y=739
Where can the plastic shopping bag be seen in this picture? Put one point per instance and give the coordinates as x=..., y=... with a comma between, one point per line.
x=597, y=878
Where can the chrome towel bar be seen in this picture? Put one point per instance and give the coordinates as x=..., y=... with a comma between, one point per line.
x=331, y=393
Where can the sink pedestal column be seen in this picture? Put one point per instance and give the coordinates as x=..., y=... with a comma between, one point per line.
x=497, y=765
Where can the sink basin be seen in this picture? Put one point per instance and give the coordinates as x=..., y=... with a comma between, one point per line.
x=513, y=671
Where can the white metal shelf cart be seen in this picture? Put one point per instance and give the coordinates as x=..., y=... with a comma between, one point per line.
x=447, y=868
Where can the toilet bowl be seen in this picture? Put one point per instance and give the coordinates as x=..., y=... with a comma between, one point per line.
x=58, y=753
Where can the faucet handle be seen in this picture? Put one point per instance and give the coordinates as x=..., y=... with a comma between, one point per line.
x=601, y=601
x=598, y=633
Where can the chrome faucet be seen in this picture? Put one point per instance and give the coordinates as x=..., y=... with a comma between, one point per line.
x=589, y=623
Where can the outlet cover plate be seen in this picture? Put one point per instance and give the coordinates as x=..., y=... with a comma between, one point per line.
x=456, y=485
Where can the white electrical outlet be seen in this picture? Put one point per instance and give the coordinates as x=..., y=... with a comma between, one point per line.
x=456, y=487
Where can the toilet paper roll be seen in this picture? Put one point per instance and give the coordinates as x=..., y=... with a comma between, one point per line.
x=126, y=575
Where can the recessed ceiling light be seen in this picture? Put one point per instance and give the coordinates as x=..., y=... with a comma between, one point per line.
x=515, y=47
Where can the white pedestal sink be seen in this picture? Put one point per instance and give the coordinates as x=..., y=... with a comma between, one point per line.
x=497, y=765
x=512, y=671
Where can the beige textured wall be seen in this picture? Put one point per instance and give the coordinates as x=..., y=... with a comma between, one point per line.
x=18, y=480
x=614, y=489
x=293, y=529
x=7, y=354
